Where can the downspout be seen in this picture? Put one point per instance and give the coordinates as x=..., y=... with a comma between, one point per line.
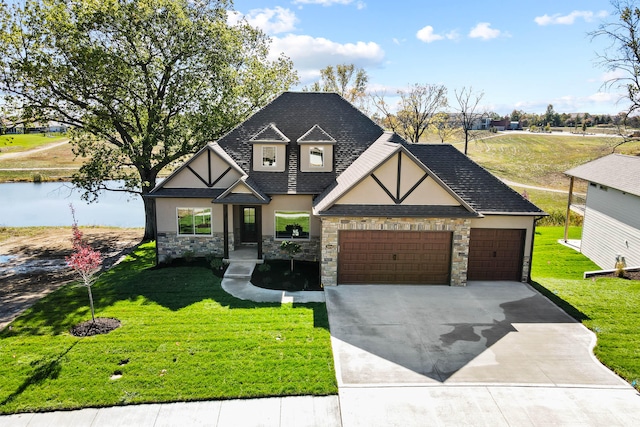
x=533, y=238
x=155, y=232
x=566, y=220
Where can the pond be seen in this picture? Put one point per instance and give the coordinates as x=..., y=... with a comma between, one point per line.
x=25, y=204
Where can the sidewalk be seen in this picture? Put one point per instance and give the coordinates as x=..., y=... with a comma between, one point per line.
x=297, y=411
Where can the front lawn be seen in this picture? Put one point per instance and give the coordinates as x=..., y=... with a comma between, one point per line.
x=182, y=338
x=607, y=306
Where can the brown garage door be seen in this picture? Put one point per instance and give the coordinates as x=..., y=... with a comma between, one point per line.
x=495, y=254
x=402, y=257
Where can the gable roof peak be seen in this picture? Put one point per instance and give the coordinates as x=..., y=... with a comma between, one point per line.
x=316, y=134
x=270, y=133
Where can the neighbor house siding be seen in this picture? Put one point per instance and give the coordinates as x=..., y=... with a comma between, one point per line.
x=611, y=227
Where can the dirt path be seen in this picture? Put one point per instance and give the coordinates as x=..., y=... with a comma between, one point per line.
x=533, y=187
x=33, y=266
x=35, y=150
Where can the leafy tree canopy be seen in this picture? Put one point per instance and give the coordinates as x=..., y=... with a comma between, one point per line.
x=345, y=79
x=142, y=82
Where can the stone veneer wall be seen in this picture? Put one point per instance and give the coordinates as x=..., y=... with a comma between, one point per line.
x=526, y=262
x=461, y=229
x=172, y=246
x=310, y=249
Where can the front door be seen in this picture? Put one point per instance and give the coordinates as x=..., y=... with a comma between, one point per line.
x=248, y=230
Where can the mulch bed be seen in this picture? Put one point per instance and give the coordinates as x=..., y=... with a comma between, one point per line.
x=629, y=275
x=102, y=325
x=276, y=274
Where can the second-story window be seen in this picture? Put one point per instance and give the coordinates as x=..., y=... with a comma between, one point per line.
x=316, y=157
x=269, y=156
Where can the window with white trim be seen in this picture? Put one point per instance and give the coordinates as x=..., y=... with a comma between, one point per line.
x=269, y=156
x=194, y=221
x=316, y=157
x=292, y=224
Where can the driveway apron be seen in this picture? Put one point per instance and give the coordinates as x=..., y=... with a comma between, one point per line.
x=436, y=351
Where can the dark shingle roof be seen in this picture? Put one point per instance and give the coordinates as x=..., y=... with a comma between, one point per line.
x=480, y=189
x=188, y=193
x=294, y=114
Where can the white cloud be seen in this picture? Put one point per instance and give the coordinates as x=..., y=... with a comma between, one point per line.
x=310, y=54
x=559, y=19
x=613, y=75
x=484, y=31
x=427, y=35
x=271, y=21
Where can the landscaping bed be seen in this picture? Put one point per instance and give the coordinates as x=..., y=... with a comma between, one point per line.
x=277, y=274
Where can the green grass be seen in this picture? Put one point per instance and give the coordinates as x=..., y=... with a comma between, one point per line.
x=182, y=336
x=607, y=306
x=541, y=159
x=23, y=142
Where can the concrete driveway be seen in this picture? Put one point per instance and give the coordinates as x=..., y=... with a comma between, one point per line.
x=491, y=353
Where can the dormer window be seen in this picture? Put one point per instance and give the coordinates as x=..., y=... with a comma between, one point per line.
x=316, y=157
x=316, y=150
x=269, y=156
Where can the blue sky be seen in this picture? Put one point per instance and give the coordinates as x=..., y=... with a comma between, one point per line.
x=522, y=55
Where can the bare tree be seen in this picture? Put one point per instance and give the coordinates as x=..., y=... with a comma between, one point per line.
x=467, y=106
x=622, y=56
x=415, y=109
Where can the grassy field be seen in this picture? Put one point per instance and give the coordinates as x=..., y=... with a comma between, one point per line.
x=541, y=159
x=17, y=143
x=607, y=306
x=43, y=163
x=182, y=338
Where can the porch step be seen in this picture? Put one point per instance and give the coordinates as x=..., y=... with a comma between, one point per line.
x=240, y=269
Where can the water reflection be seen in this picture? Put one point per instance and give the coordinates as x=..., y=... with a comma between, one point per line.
x=25, y=204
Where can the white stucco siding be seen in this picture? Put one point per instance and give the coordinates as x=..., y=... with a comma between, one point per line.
x=508, y=222
x=166, y=213
x=611, y=227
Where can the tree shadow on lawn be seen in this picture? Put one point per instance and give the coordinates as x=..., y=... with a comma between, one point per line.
x=44, y=369
x=172, y=287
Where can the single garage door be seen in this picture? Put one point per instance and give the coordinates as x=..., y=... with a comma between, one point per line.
x=495, y=254
x=394, y=257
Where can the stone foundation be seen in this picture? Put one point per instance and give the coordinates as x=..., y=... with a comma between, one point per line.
x=171, y=246
x=310, y=249
x=461, y=229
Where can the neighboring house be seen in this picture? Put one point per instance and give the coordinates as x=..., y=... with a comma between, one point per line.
x=481, y=123
x=611, y=226
x=370, y=207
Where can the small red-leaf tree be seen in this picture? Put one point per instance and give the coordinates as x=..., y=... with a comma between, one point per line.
x=84, y=260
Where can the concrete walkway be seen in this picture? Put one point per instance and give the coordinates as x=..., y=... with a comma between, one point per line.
x=237, y=282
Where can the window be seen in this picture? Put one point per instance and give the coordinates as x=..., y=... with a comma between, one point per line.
x=292, y=225
x=194, y=221
x=316, y=157
x=269, y=156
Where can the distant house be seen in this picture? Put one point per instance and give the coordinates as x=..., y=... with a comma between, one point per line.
x=365, y=203
x=481, y=123
x=611, y=227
